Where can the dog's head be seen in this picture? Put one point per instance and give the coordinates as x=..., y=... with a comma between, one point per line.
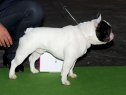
x=103, y=31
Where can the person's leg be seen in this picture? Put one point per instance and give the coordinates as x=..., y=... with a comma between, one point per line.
x=16, y=18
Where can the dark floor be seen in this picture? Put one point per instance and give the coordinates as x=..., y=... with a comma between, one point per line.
x=114, y=11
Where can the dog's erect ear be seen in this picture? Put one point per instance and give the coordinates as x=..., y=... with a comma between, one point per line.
x=98, y=15
x=98, y=19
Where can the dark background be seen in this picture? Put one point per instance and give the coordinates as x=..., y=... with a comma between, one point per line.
x=113, y=11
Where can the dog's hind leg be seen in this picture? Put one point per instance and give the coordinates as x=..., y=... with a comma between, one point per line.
x=12, y=70
x=33, y=57
x=19, y=58
x=21, y=53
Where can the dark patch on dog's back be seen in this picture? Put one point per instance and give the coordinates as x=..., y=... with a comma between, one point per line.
x=103, y=31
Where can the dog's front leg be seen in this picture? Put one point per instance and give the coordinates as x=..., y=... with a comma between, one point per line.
x=71, y=74
x=65, y=70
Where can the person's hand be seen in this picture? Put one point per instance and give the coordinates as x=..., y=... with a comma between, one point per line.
x=5, y=38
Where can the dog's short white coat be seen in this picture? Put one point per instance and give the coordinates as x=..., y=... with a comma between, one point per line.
x=67, y=43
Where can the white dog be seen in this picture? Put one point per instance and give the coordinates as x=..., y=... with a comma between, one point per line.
x=67, y=43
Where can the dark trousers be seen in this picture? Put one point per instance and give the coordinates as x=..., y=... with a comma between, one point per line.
x=17, y=17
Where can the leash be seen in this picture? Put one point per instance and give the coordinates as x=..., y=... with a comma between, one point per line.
x=64, y=7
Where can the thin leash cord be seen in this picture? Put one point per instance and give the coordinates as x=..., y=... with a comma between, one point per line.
x=64, y=7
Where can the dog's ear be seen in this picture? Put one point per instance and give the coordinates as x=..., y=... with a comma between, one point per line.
x=98, y=15
x=98, y=19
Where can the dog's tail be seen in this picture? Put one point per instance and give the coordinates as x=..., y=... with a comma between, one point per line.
x=27, y=30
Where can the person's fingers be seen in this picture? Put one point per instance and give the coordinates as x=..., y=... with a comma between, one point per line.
x=5, y=38
x=8, y=41
x=3, y=42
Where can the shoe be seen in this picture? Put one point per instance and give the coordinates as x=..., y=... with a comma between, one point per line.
x=7, y=62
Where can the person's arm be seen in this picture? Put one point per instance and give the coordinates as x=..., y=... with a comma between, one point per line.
x=5, y=38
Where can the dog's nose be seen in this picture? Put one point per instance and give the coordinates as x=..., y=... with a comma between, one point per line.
x=111, y=36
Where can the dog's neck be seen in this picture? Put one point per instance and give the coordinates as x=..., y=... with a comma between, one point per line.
x=87, y=28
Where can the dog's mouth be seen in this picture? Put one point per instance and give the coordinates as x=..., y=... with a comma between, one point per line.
x=109, y=38
x=106, y=39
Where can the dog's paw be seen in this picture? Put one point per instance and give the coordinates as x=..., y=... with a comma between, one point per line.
x=35, y=71
x=72, y=75
x=66, y=83
x=13, y=76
